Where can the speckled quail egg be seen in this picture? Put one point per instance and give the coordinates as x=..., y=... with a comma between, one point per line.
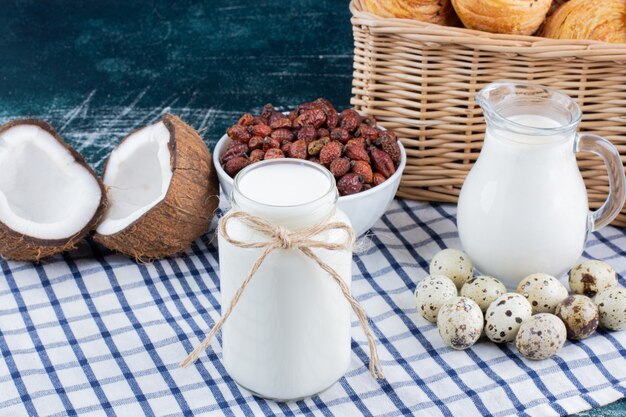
x=580, y=316
x=483, y=289
x=460, y=323
x=431, y=293
x=505, y=316
x=454, y=264
x=540, y=336
x=611, y=304
x=543, y=292
x=590, y=277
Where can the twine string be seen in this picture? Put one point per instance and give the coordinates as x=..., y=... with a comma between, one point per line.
x=304, y=241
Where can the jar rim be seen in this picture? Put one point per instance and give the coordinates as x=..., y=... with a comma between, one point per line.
x=332, y=189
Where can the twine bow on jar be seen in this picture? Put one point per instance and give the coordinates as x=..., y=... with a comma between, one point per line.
x=304, y=241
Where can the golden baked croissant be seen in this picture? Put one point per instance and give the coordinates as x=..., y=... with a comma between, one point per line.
x=518, y=17
x=433, y=11
x=600, y=20
x=555, y=5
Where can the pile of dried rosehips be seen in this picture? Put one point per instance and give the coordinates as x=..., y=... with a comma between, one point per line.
x=359, y=154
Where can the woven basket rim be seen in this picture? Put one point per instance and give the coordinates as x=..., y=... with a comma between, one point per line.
x=463, y=35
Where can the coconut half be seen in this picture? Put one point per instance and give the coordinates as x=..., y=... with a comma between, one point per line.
x=49, y=197
x=162, y=191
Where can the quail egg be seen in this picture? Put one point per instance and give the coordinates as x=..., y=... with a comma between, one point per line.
x=431, y=293
x=540, y=336
x=543, y=292
x=505, y=316
x=460, y=323
x=483, y=289
x=580, y=316
x=454, y=264
x=590, y=277
x=612, y=308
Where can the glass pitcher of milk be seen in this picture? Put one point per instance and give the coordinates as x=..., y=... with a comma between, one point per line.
x=523, y=207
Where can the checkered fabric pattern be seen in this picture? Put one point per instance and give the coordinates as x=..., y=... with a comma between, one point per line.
x=92, y=333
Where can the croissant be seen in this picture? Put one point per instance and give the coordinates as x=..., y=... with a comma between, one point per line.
x=517, y=17
x=433, y=11
x=600, y=20
x=555, y=5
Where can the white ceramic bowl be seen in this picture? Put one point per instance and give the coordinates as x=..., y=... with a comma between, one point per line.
x=363, y=208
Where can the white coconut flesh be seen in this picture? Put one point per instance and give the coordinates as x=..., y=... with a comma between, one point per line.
x=137, y=177
x=44, y=192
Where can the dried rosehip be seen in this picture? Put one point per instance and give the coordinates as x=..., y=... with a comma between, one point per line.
x=261, y=130
x=340, y=134
x=314, y=117
x=364, y=169
x=298, y=149
x=382, y=162
x=279, y=120
x=257, y=155
x=332, y=118
x=346, y=112
x=258, y=120
x=369, y=120
x=233, y=150
x=350, y=119
x=339, y=167
x=236, y=164
x=267, y=111
x=368, y=133
x=301, y=108
x=350, y=183
x=307, y=133
x=378, y=178
x=255, y=142
x=270, y=143
x=246, y=120
x=282, y=135
x=390, y=145
x=360, y=142
x=316, y=146
x=239, y=132
x=330, y=152
x=388, y=134
x=274, y=153
x=356, y=153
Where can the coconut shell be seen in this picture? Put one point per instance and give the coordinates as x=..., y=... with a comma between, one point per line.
x=19, y=247
x=186, y=211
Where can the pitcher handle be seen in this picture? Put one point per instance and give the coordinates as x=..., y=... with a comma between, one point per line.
x=617, y=180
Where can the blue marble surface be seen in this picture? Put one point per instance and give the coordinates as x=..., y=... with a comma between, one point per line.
x=97, y=70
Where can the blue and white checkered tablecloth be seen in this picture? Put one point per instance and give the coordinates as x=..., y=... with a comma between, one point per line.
x=93, y=333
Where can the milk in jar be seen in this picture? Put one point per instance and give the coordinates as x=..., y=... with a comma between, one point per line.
x=289, y=335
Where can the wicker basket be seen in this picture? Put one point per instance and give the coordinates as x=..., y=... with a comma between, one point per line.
x=420, y=80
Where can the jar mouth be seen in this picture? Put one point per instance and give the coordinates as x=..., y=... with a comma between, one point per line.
x=330, y=193
x=502, y=100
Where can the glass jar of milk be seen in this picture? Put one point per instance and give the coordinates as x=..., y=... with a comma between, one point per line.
x=523, y=207
x=289, y=335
